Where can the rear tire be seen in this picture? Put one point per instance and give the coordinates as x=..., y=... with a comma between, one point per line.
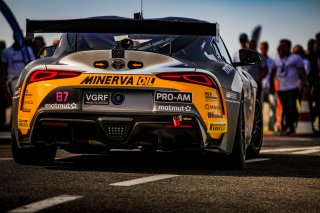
x=38, y=155
x=237, y=158
x=253, y=149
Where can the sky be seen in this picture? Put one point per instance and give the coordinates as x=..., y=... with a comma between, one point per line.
x=297, y=20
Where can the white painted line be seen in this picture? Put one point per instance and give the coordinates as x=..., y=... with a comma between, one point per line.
x=310, y=151
x=69, y=156
x=257, y=160
x=6, y=158
x=289, y=149
x=44, y=204
x=284, y=138
x=5, y=135
x=143, y=180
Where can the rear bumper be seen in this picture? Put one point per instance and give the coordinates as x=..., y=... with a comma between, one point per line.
x=118, y=131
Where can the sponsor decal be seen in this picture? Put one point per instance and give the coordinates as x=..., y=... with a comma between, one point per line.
x=214, y=115
x=62, y=97
x=231, y=95
x=210, y=95
x=217, y=127
x=28, y=102
x=174, y=108
x=119, y=80
x=173, y=97
x=232, y=101
x=29, y=93
x=227, y=68
x=28, y=96
x=96, y=98
x=23, y=123
x=26, y=110
x=212, y=107
x=145, y=81
x=61, y=106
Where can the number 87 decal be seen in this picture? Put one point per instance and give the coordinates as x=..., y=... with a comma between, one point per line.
x=62, y=96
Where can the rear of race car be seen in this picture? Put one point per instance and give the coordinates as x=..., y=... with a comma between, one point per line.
x=150, y=84
x=140, y=100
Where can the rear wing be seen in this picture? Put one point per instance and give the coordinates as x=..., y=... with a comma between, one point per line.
x=123, y=25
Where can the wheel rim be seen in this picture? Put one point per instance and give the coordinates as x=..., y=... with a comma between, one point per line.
x=243, y=136
x=258, y=125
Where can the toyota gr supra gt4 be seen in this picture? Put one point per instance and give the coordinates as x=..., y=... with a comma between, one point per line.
x=149, y=84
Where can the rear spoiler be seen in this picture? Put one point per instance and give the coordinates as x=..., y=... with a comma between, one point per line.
x=123, y=25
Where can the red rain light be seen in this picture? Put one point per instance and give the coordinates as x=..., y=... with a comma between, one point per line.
x=44, y=75
x=194, y=78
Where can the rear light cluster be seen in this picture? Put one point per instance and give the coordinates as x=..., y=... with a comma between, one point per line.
x=44, y=75
x=194, y=78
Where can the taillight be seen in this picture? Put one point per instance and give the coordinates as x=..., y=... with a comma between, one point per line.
x=44, y=75
x=194, y=78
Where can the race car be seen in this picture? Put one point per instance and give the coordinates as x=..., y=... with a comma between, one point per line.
x=149, y=84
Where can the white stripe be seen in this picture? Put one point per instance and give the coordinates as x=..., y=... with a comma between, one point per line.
x=6, y=158
x=289, y=149
x=285, y=138
x=5, y=146
x=257, y=160
x=310, y=151
x=71, y=156
x=143, y=180
x=5, y=135
x=43, y=204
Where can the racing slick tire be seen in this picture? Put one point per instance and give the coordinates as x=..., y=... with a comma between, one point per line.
x=257, y=133
x=236, y=160
x=41, y=154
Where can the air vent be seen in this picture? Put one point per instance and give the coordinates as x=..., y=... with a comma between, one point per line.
x=116, y=129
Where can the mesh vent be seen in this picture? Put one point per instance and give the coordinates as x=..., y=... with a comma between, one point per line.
x=117, y=53
x=115, y=131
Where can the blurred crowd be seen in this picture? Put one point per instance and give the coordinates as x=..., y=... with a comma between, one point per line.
x=285, y=80
x=282, y=81
x=12, y=63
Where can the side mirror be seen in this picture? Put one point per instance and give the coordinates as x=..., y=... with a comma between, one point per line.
x=247, y=57
x=47, y=51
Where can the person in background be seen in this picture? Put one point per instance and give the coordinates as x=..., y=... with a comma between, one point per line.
x=257, y=71
x=244, y=44
x=3, y=95
x=315, y=79
x=266, y=96
x=298, y=49
x=310, y=47
x=12, y=64
x=37, y=44
x=311, y=57
x=290, y=73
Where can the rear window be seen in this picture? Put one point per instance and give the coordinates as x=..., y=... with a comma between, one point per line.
x=164, y=44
